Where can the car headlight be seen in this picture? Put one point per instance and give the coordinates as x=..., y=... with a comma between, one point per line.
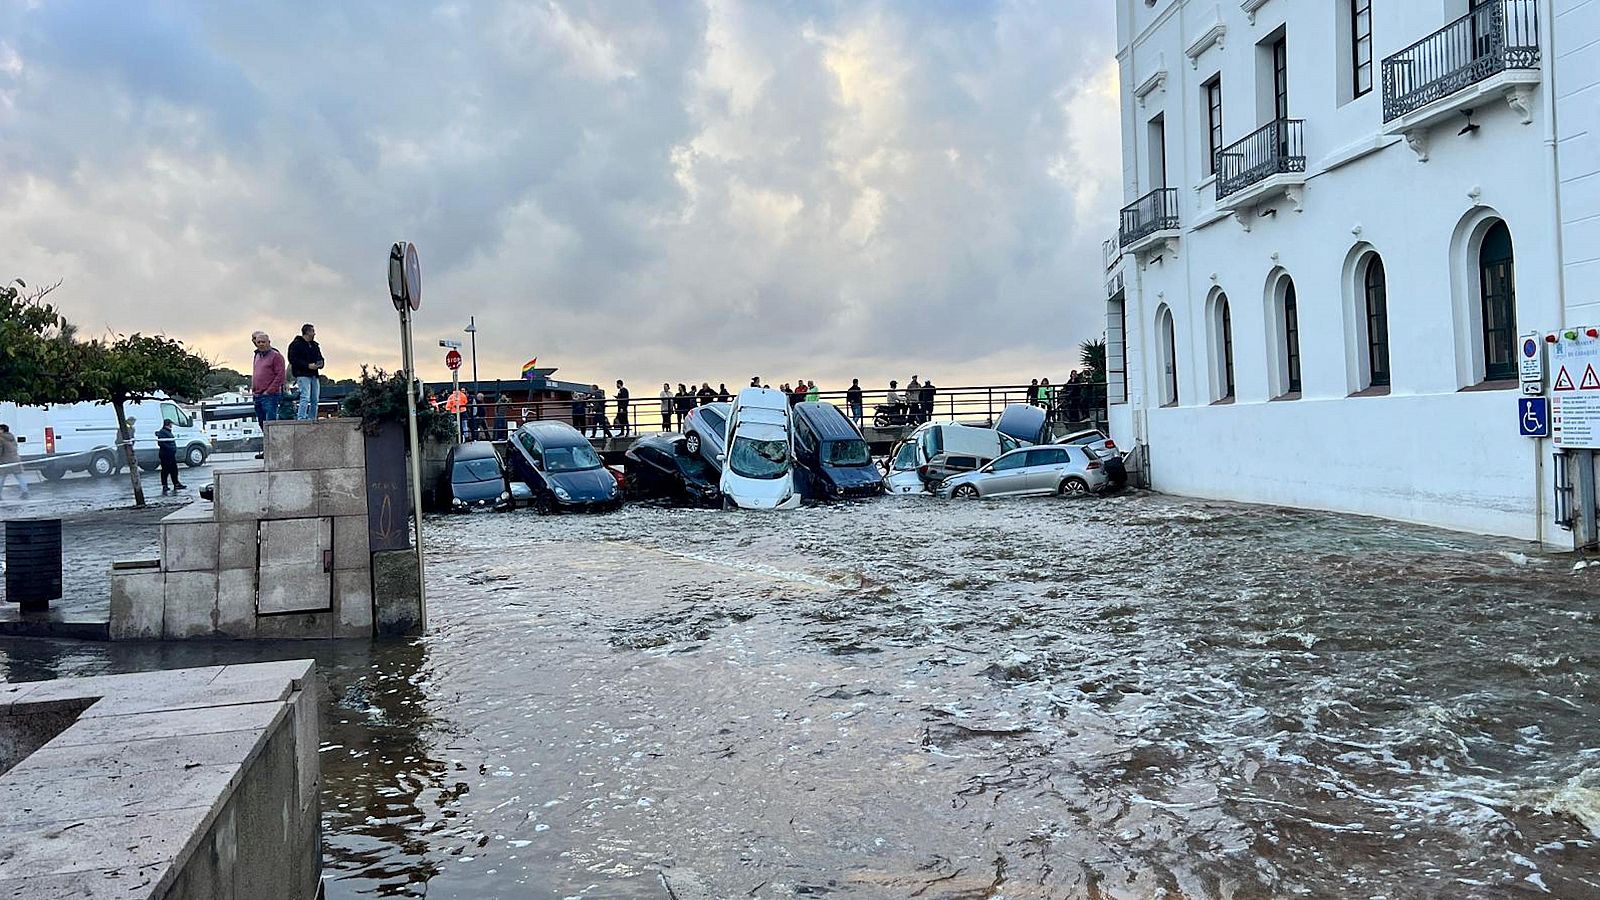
x=458, y=503
x=562, y=493
x=504, y=496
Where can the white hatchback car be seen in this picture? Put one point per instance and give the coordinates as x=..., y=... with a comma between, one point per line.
x=758, y=465
x=1069, y=471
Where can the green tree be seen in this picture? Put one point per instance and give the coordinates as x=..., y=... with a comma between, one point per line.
x=36, y=347
x=1092, y=357
x=222, y=379
x=138, y=367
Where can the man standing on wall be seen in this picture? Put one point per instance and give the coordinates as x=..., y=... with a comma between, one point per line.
x=305, y=364
x=623, y=399
x=853, y=397
x=267, y=379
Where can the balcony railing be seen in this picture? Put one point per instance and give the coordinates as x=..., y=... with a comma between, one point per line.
x=1276, y=147
x=1497, y=35
x=1155, y=211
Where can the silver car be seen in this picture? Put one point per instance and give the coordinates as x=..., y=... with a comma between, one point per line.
x=703, y=431
x=1068, y=471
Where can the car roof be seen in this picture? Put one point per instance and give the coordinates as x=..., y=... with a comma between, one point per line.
x=720, y=408
x=762, y=398
x=555, y=434
x=475, y=450
x=827, y=421
x=1083, y=434
x=761, y=431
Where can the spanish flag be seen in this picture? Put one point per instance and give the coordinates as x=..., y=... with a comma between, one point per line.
x=529, y=366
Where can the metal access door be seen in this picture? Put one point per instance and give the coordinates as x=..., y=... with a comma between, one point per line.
x=296, y=572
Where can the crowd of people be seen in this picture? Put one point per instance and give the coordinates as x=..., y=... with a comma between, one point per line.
x=1071, y=403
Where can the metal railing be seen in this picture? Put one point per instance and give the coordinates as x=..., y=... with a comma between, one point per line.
x=1495, y=36
x=1276, y=147
x=1068, y=404
x=1155, y=211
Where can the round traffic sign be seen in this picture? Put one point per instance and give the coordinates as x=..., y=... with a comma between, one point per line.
x=453, y=360
x=405, y=275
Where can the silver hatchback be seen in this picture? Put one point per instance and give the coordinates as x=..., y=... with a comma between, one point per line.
x=1054, y=469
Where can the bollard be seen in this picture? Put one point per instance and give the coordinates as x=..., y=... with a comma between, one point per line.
x=33, y=562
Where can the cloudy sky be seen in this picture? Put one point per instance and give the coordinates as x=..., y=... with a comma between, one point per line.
x=671, y=192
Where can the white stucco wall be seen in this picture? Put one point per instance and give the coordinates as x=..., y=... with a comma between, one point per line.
x=1428, y=451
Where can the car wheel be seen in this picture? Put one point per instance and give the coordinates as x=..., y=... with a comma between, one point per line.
x=966, y=492
x=196, y=457
x=544, y=505
x=53, y=473
x=692, y=444
x=102, y=465
x=882, y=420
x=1073, y=487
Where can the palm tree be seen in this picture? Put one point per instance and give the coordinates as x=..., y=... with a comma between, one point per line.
x=1092, y=357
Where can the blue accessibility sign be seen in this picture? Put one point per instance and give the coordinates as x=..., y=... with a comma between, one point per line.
x=1533, y=417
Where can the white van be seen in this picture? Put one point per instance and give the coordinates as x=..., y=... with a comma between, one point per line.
x=82, y=437
x=941, y=449
x=758, y=455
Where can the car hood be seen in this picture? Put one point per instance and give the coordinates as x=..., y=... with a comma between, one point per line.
x=905, y=482
x=853, y=476
x=473, y=491
x=590, y=484
x=757, y=493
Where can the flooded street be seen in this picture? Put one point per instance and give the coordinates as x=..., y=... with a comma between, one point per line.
x=1130, y=697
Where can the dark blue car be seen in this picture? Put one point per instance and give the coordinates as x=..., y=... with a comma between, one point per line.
x=475, y=478
x=562, y=469
x=833, y=456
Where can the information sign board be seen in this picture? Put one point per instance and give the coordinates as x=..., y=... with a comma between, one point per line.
x=1575, y=390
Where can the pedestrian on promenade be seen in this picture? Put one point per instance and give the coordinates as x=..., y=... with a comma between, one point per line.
x=580, y=411
x=707, y=395
x=914, y=401
x=797, y=395
x=685, y=402
x=167, y=453
x=11, y=461
x=811, y=392
x=1033, y=393
x=666, y=406
x=927, y=400
x=893, y=402
x=1074, y=397
x=499, y=433
x=1047, y=399
x=755, y=381
x=722, y=393
x=480, y=417
x=268, y=374
x=852, y=396
x=623, y=401
x=597, y=412
x=305, y=364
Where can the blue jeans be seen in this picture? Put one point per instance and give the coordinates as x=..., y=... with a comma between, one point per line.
x=267, y=409
x=855, y=413
x=310, y=394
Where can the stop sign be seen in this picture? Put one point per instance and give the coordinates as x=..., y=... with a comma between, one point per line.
x=453, y=360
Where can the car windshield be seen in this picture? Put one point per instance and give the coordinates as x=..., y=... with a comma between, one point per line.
x=906, y=459
x=848, y=453
x=696, y=467
x=571, y=459
x=469, y=470
x=752, y=458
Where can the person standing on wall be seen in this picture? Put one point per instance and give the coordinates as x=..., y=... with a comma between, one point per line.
x=666, y=406
x=305, y=364
x=11, y=461
x=852, y=396
x=623, y=400
x=167, y=453
x=268, y=375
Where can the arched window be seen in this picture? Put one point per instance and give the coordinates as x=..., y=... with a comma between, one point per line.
x=1291, y=339
x=1376, y=291
x=1497, y=293
x=1167, y=344
x=1222, y=347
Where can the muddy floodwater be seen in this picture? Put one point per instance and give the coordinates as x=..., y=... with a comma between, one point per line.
x=1128, y=697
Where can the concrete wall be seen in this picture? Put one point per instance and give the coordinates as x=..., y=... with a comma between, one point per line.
x=1428, y=449
x=181, y=784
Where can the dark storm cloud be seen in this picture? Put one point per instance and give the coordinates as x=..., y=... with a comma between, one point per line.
x=643, y=191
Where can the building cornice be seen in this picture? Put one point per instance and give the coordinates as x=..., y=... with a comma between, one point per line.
x=1213, y=36
x=1250, y=7
x=1151, y=82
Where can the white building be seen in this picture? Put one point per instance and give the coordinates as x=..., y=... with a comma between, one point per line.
x=1341, y=214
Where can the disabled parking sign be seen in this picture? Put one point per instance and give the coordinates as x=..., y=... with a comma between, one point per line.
x=1533, y=417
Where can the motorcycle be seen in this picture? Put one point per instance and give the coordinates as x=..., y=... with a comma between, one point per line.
x=891, y=415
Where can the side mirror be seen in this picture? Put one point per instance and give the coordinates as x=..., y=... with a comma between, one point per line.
x=722, y=457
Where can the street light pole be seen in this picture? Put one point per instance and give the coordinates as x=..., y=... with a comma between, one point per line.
x=472, y=331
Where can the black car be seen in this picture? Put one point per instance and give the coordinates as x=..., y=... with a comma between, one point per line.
x=561, y=468
x=832, y=459
x=475, y=478
x=660, y=465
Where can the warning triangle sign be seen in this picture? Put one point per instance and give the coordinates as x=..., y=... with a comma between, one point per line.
x=1563, y=381
x=1590, y=381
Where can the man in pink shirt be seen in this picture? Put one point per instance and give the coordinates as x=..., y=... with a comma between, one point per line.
x=267, y=376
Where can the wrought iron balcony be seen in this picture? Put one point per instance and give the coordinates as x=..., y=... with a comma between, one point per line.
x=1497, y=35
x=1155, y=211
x=1273, y=149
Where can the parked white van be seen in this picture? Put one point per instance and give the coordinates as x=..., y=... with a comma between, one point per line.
x=938, y=450
x=82, y=437
x=758, y=455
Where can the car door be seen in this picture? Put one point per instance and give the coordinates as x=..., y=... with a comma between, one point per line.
x=1006, y=475
x=1046, y=467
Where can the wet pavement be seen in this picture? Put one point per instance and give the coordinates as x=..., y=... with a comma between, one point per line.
x=1127, y=697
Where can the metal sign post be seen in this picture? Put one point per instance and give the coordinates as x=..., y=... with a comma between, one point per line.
x=405, y=289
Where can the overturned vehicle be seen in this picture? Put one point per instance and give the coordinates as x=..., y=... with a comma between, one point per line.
x=661, y=466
